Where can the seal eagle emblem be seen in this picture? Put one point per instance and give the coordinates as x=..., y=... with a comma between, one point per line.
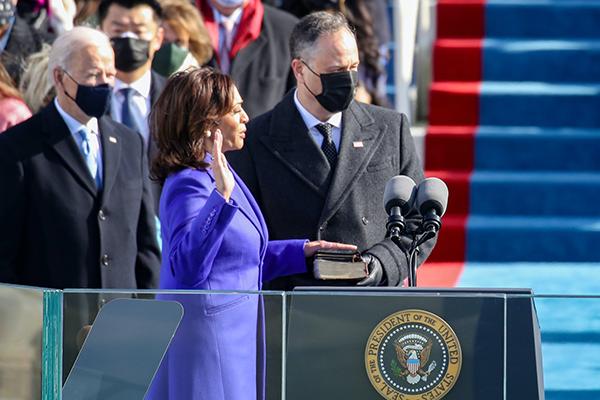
x=413, y=354
x=412, y=357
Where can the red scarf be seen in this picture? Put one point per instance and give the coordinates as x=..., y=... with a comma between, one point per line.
x=248, y=28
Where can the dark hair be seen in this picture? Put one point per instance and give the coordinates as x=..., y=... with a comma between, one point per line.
x=129, y=4
x=310, y=28
x=361, y=21
x=360, y=18
x=192, y=102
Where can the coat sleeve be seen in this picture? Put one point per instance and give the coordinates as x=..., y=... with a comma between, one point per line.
x=393, y=259
x=147, y=264
x=12, y=204
x=197, y=218
x=284, y=257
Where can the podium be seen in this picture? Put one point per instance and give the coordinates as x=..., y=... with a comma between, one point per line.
x=312, y=343
x=462, y=344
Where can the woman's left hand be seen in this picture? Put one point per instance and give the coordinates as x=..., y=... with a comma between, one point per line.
x=311, y=248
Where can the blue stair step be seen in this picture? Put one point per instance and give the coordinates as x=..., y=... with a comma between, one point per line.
x=542, y=19
x=546, y=278
x=567, y=323
x=541, y=60
x=540, y=104
x=572, y=394
x=536, y=194
x=533, y=239
x=537, y=149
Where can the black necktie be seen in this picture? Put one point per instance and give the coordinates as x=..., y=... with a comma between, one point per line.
x=328, y=147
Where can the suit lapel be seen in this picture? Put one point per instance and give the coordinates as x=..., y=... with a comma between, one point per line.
x=360, y=138
x=246, y=55
x=111, y=154
x=290, y=141
x=240, y=197
x=157, y=84
x=248, y=206
x=58, y=136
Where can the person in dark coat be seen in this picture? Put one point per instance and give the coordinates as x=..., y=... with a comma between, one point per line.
x=75, y=208
x=134, y=28
x=319, y=161
x=250, y=43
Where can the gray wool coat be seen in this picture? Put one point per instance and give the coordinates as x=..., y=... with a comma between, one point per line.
x=301, y=197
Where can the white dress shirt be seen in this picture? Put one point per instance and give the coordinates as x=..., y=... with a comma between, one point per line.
x=311, y=122
x=141, y=102
x=75, y=126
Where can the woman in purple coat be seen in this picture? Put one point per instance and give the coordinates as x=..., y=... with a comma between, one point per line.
x=214, y=238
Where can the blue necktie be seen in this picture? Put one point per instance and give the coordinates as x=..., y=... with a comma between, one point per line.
x=127, y=109
x=90, y=155
x=127, y=118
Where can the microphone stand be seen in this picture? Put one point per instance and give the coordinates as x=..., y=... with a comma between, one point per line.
x=426, y=233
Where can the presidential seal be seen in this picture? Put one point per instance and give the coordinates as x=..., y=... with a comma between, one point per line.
x=413, y=355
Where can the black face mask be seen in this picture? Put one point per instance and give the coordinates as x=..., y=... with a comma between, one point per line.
x=130, y=53
x=93, y=100
x=337, y=89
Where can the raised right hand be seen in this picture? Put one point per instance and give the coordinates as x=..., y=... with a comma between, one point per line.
x=223, y=176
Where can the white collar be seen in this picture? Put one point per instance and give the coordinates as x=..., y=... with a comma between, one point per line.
x=310, y=120
x=74, y=125
x=141, y=86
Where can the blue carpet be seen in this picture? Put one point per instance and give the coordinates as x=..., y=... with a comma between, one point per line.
x=531, y=148
x=542, y=19
x=540, y=104
x=570, y=326
x=536, y=182
x=534, y=214
x=535, y=193
x=541, y=60
x=499, y=238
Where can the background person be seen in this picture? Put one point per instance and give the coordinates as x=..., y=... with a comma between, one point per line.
x=37, y=90
x=250, y=43
x=133, y=27
x=186, y=41
x=18, y=40
x=214, y=238
x=13, y=109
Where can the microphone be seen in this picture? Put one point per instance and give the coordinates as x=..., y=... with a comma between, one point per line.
x=432, y=200
x=398, y=200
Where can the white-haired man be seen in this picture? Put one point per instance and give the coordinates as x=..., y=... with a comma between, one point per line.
x=75, y=208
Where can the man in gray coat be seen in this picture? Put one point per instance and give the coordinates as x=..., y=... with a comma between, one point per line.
x=319, y=161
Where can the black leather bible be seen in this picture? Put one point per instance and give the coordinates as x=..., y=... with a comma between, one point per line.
x=339, y=264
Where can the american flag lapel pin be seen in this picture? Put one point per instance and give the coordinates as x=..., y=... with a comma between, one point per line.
x=112, y=139
x=358, y=144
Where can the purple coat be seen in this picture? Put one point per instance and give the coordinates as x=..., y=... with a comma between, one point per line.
x=211, y=244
